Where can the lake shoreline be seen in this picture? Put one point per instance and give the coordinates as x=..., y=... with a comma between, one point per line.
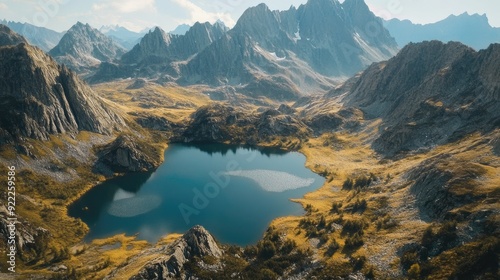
x=261, y=147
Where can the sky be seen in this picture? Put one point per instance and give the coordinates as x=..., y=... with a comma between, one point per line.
x=138, y=15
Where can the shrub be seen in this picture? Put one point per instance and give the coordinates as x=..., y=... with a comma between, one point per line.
x=428, y=237
x=332, y=247
x=414, y=271
x=358, y=206
x=409, y=258
x=386, y=222
x=322, y=222
x=362, y=182
x=353, y=227
x=370, y=273
x=266, y=250
x=336, y=207
x=288, y=247
x=348, y=184
x=358, y=263
x=267, y=274
x=353, y=242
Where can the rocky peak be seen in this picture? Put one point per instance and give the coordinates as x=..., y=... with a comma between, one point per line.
x=9, y=37
x=260, y=24
x=40, y=98
x=359, y=13
x=159, y=35
x=152, y=46
x=83, y=46
x=198, y=37
x=197, y=242
x=220, y=24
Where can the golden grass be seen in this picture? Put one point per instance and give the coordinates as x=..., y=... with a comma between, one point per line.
x=172, y=102
x=354, y=157
x=102, y=256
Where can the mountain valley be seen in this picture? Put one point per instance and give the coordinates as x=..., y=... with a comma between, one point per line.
x=407, y=140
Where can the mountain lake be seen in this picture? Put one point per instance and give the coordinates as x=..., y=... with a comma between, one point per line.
x=233, y=191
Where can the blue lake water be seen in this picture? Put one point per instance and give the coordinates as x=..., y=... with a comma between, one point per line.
x=233, y=191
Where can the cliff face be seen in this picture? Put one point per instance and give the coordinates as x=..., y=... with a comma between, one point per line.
x=126, y=154
x=40, y=98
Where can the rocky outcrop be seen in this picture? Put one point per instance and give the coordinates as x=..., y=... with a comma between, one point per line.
x=429, y=94
x=9, y=37
x=220, y=123
x=442, y=184
x=273, y=123
x=83, y=47
x=29, y=240
x=40, y=98
x=126, y=154
x=197, y=242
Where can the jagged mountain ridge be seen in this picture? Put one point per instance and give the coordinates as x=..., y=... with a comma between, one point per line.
x=273, y=39
x=286, y=54
x=159, y=53
x=42, y=37
x=278, y=54
x=429, y=94
x=472, y=30
x=40, y=97
x=158, y=44
x=83, y=47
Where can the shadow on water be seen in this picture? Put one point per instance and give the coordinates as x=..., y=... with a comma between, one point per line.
x=93, y=202
x=224, y=149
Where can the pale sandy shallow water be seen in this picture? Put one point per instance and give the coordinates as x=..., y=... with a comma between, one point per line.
x=274, y=181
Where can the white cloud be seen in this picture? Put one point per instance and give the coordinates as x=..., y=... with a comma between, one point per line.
x=3, y=7
x=125, y=6
x=196, y=13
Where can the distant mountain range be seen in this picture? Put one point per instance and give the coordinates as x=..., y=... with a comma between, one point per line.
x=472, y=30
x=41, y=37
x=125, y=38
x=181, y=29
